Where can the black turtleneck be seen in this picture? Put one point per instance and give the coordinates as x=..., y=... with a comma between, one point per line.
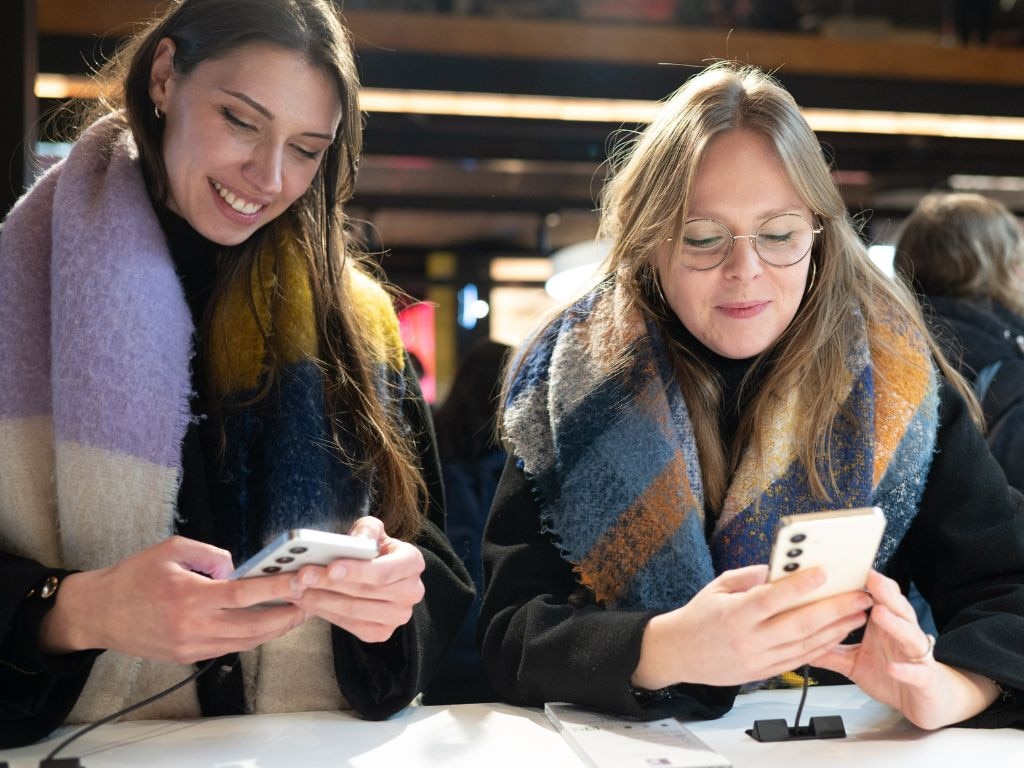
x=730, y=373
x=195, y=258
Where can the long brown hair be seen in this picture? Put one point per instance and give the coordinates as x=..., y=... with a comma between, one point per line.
x=208, y=29
x=963, y=244
x=644, y=205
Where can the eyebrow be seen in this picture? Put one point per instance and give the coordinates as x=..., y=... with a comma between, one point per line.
x=270, y=116
x=764, y=215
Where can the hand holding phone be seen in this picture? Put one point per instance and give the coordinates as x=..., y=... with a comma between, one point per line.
x=303, y=546
x=843, y=543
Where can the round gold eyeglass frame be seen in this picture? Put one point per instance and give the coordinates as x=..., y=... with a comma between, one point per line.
x=753, y=242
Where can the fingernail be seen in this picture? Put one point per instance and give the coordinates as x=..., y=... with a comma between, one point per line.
x=296, y=586
x=308, y=578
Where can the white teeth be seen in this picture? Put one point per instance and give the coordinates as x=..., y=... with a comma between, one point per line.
x=237, y=203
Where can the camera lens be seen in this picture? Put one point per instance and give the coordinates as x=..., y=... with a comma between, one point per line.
x=297, y=550
x=790, y=567
x=796, y=538
x=287, y=559
x=272, y=569
x=791, y=553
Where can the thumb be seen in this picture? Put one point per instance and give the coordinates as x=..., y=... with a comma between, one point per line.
x=370, y=527
x=199, y=557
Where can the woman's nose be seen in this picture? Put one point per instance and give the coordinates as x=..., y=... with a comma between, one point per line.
x=743, y=262
x=264, y=168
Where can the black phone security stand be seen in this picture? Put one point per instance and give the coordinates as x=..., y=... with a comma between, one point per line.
x=828, y=727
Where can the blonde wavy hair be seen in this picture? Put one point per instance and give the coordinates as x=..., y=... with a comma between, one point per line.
x=645, y=202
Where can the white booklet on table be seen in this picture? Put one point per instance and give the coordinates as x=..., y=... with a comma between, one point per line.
x=604, y=741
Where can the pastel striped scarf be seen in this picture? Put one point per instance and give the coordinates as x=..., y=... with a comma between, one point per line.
x=611, y=452
x=95, y=339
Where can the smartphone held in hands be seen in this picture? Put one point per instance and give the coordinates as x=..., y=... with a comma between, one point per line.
x=303, y=546
x=843, y=543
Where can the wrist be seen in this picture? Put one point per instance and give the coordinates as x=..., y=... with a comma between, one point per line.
x=967, y=694
x=652, y=674
x=62, y=630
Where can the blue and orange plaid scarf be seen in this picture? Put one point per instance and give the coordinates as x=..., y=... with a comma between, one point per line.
x=611, y=451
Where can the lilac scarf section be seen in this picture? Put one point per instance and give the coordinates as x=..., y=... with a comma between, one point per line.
x=94, y=327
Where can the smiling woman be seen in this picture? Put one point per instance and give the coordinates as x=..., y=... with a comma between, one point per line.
x=202, y=210
x=742, y=360
x=243, y=135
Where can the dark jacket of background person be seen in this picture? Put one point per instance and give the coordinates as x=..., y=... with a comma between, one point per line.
x=471, y=464
x=965, y=254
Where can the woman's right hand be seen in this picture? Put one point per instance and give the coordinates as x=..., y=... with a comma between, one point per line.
x=739, y=629
x=170, y=602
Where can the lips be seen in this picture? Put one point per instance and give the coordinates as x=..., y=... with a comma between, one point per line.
x=743, y=309
x=237, y=202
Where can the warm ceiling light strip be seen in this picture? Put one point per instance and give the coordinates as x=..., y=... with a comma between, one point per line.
x=614, y=111
x=508, y=105
x=620, y=111
x=916, y=124
x=50, y=86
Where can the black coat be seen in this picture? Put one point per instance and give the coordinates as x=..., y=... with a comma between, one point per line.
x=977, y=335
x=37, y=691
x=542, y=640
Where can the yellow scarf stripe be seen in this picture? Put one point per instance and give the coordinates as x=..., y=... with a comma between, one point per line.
x=237, y=351
x=376, y=315
x=902, y=364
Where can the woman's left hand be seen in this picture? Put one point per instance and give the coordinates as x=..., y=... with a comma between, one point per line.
x=369, y=598
x=894, y=665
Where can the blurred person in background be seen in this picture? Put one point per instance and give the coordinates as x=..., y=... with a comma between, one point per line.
x=472, y=459
x=964, y=253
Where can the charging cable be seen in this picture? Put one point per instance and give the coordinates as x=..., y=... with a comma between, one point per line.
x=829, y=727
x=52, y=761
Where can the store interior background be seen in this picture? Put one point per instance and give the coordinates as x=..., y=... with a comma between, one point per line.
x=489, y=122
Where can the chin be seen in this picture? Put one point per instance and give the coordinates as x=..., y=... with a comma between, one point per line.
x=226, y=238
x=742, y=351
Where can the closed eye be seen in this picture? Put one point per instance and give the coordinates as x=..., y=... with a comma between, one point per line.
x=771, y=239
x=308, y=154
x=234, y=120
x=705, y=243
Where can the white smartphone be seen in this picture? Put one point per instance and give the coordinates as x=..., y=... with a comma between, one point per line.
x=303, y=546
x=843, y=543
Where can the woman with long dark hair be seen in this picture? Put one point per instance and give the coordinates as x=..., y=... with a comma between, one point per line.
x=196, y=359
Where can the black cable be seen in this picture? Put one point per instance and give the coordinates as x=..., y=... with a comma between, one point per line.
x=806, y=672
x=51, y=761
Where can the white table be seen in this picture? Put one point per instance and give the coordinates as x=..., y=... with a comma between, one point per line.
x=498, y=735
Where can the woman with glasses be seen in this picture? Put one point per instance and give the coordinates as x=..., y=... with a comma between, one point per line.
x=743, y=360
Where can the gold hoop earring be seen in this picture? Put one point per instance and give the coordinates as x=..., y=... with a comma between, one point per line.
x=157, y=112
x=814, y=276
x=651, y=275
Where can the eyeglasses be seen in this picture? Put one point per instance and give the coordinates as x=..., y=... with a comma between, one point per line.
x=780, y=241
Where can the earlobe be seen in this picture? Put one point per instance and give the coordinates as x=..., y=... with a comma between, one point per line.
x=161, y=73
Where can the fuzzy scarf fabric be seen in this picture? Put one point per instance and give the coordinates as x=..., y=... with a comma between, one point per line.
x=611, y=452
x=96, y=343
